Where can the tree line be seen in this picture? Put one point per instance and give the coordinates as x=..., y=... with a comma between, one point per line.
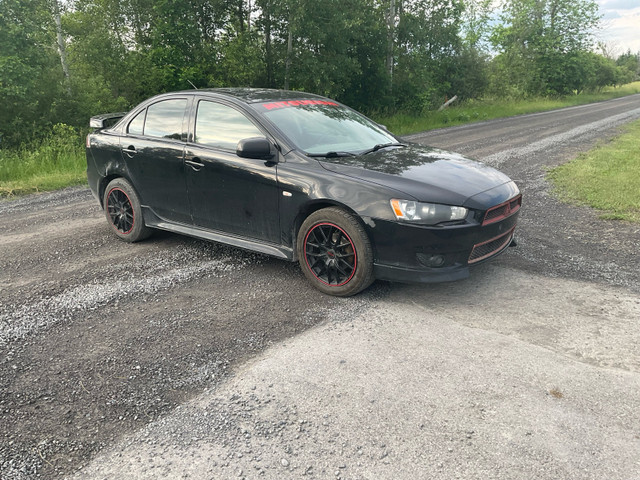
x=62, y=61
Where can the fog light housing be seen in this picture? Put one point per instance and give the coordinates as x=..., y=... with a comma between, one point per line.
x=431, y=261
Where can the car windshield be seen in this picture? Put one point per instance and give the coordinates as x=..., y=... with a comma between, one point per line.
x=319, y=127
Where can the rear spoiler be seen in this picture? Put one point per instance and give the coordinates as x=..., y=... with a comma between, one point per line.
x=105, y=120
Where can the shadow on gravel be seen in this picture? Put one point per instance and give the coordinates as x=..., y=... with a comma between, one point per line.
x=96, y=374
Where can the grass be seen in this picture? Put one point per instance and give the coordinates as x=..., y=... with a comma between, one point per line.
x=606, y=178
x=478, y=110
x=54, y=163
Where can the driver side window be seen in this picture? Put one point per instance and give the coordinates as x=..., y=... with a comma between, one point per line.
x=221, y=126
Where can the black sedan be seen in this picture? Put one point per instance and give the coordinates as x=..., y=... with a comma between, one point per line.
x=299, y=177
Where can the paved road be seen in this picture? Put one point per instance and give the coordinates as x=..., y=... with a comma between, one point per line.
x=176, y=357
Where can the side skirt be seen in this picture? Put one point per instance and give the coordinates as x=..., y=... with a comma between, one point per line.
x=279, y=251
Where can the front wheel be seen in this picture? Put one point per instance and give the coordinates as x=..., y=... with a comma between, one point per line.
x=123, y=211
x=335, y=253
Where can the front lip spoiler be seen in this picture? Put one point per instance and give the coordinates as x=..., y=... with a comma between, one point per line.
x=422, y=275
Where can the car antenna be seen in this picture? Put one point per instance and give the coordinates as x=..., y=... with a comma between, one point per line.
x=190, y=83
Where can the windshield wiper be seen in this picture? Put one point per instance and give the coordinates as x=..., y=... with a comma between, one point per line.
x=332, y=154
x=383, y=145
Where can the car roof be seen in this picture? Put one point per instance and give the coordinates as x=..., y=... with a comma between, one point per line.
x=253, y=95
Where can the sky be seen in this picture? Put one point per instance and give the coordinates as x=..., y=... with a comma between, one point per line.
x=620, y=25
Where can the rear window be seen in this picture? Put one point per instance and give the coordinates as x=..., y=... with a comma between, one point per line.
x=164, y=119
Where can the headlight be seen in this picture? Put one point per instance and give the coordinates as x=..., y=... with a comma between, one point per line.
x=426, y=213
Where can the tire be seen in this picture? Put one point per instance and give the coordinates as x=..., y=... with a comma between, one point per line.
x=123, y=211
x=335, y=253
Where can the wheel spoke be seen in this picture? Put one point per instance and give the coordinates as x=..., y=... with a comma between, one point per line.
x=348, y=265
x=325, y=240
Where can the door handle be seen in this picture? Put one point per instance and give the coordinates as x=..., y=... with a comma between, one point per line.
x=130, y=150
x=195, y=164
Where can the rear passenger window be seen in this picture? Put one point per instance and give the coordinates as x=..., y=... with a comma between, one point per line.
x=164, y=119
x=220, y=126
x=136, y=126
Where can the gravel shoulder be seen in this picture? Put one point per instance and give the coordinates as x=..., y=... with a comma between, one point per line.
x=531, y=365
x=421, y=390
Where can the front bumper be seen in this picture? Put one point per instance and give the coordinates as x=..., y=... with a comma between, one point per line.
x=422, y=254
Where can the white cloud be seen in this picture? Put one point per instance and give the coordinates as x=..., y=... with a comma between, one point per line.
x=618, y=4
x=620, y=25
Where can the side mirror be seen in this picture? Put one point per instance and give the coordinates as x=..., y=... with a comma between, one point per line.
x=255, y=147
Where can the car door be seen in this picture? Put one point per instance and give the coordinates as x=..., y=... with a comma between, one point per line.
x=229, y=193
x=153, y=148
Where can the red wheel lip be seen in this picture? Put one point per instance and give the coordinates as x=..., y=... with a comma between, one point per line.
x=355, y=255
x=133, y=214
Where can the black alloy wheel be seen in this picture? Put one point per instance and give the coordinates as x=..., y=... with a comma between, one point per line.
x=123, y=211
x=330, y=254
x=335, y=253
x=120, y=211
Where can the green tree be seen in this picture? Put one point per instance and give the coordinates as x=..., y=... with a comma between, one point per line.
x=30, y=71
x=98, y=57
x=427, y=49
x=476, y=24
x=629, y=62
x=540, y=43
x=331, y=47
x=602, y=74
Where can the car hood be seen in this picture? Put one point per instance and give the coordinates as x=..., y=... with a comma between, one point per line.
x=427, y=174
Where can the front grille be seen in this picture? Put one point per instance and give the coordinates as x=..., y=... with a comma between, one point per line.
x=503, y=210
x=490, y=247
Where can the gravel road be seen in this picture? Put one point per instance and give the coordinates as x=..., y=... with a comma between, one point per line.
x=176, y=357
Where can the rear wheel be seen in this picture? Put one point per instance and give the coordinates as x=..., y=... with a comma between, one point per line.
x=335, y=253
x=123, y=211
